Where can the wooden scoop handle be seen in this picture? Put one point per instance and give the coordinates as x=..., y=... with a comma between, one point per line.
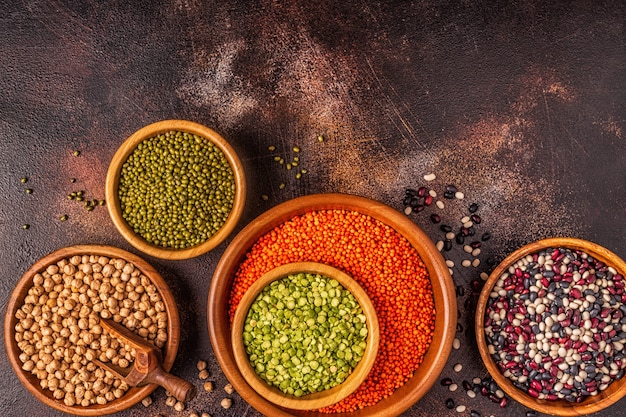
x=183, y=391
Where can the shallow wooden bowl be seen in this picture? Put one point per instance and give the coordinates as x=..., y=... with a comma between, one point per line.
x=443, y=293
x=322, y=398
x=113, y=180
x=133, y=395
x=590, y=404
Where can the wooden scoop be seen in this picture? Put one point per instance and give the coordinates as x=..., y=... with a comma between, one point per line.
x=146, y=369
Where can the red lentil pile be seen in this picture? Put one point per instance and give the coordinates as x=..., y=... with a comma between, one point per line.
x=387, y=267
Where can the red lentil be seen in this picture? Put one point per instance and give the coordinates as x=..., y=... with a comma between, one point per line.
x=387, y=267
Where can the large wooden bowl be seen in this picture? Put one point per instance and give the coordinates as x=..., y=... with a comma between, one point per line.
x=113, y=180
x=133, y=395
x=319, y=399
x=590, y=404
x=443, y=293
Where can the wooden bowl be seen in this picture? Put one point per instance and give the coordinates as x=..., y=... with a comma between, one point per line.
x=113, y=180
x=133, y=395
x=589, y=404
x=319, y=399
x=443, y=293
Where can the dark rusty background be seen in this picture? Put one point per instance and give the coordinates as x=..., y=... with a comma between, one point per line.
x=521, y=104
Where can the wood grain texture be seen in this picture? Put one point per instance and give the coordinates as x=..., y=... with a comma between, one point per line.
x=113, y=180
x=319, y=399
x=133, y=395
x=590, y=404
x=443, y=294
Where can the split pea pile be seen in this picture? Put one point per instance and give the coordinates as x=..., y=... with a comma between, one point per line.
x=176, y=190
x=383, y=262
x=305, y=333
x=555, y=324
x=58, y=326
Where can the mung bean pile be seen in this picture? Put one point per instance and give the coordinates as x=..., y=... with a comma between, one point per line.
x=305, y=333
x=555, y=324
x=176, y=190
x=383, y=262
x=58, y=326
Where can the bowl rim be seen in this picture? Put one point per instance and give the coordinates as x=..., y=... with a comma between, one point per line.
x=135, y=394
x=443, y=294
x=590, y=404
x=113, y=179
x=318, y=399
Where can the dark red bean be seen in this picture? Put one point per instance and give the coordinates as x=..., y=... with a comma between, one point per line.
x=446, y=382
x=428, y=200
x=445, y=228
x=435, y=218
x=486, y=236
x=475, y=218
x=503, y=402
x=422, y=191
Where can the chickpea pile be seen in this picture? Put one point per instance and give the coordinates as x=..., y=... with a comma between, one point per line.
x=58, y=326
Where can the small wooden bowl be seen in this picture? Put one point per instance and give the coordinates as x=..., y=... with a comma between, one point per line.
x=319, y=399
x=113, y=180
x=590, y=404
x=442, y=285
x=30, y=381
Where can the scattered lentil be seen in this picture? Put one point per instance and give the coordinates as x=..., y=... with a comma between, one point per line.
x=29, y=191
x=24, y=180
x=371, y=249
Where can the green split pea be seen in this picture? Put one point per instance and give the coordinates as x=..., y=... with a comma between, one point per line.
x=176, y=190
x=305, y=333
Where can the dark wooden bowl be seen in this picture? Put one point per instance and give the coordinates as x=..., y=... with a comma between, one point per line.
x=133, y=395
x=113, y=180
x=443, y=293
x=319, y=399
x=590, y=404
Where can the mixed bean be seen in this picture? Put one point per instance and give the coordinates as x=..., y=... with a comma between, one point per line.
x=59, y=334
x=176, y=190
x=383, y=262
x=305, y=333
x=555, y=324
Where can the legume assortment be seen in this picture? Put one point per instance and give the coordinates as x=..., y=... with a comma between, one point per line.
x=383, y=262
x=305, y=333
x=555, y=324
x=59, y=334
x=176, y=190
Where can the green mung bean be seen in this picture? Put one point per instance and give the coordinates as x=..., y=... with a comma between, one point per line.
x=305, y=333
x=176, y=190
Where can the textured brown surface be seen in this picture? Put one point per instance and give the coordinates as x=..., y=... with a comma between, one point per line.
x=520, y=104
